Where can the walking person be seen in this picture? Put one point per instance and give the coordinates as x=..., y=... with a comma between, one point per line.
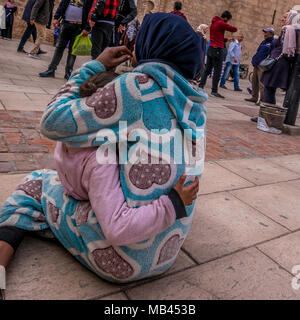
x=30, y=30
x=232, y=61
x=10, y=12
x=39, y=17
x=215, y=51
x=127, y=11
x=102, y=19
x=177, y=10
x=262, y=53
x=74, y=15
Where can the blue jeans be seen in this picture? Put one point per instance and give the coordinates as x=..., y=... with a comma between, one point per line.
x=235, y=68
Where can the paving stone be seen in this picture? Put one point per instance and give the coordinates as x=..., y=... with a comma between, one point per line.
x=182, y=262
x=291, y=162
x=117, y=296
x=280, y=202
x=284, y=250
x=259, y=170
x=246, y=275
x=6, y=166
x=215, y=178
x=6, y=75
x=8, y=183
x=14, y=100
x=223, y=224
x=9, y=87
x=180, y=286
x=44, y=270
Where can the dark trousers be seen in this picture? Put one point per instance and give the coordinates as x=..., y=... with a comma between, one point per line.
x=101, y=37
x=30, y=30
x=68, y=32
x=12, y=235
x=214, y=61
x=270, y=95
x=7, y=33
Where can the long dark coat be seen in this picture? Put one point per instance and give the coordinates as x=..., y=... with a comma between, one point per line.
x=278, y=76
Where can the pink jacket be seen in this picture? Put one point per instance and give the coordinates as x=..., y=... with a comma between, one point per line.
x=84, y=179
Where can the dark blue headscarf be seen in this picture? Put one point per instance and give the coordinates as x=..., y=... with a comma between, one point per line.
x=169, y=39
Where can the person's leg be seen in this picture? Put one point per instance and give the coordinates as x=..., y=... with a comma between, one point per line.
x=41, y=29
x=270, y=95
x=208, y=68
x=34, y=33
x=10, y=239
x=108, y=34
x=225, y=74
x=73, y=33
x=97, y=40
x=26, y=35
x=261, y=86
x=217, y=64
x=9, y=30
x=236, y=76
x=62, y=41
x=255, y=84
x=20, y=212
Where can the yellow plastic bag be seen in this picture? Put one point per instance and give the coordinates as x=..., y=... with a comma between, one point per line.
x=82, y=46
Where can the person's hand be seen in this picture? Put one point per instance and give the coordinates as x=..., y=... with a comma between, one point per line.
x=85, y=33
x=55, y=23
x=121, y=28
x=235, y=59
x=189, y=193
x=31, y=21
x=114, y=56
x=92, y=24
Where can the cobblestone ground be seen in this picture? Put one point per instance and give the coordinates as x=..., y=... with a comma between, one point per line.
x=245, y=236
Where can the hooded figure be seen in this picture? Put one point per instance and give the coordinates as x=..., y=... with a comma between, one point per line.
x=155, y=96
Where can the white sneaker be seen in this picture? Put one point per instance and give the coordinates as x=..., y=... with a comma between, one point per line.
x=34, y=56
x=2, y=283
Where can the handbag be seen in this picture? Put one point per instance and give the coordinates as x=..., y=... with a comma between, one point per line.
x=268, y=63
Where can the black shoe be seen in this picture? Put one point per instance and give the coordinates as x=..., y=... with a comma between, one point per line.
x=42, y=51
x=251, y=100
x=67, y=75
x=255, y=119
x=50, y=73
x=223, y=87
x=217, y=95
x=238, y=89
x=22, y=51
x=201, y=86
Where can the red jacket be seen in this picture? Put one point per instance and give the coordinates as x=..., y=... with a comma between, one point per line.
x=179, y=13
x=217, y=31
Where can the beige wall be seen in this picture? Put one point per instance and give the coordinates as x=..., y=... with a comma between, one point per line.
x=250, y=16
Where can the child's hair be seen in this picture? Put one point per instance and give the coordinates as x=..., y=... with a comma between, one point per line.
x=99, y=80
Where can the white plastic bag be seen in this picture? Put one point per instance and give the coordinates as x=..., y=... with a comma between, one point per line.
x=263, y=126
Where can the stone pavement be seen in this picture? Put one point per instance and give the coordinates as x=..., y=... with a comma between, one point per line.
x=244, y=240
